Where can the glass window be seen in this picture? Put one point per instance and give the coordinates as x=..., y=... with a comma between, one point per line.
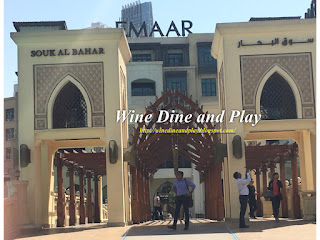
x=178, y=83
x=9, y=133
x=70, y=108
x=175, y=59
x=208, y=86
x=141, y=57
x=204, y=57
x=8, y=153
x=143, y=89
x=9, y=114
x=277, y=99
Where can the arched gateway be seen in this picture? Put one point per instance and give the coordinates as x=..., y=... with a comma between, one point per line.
x=154, y=149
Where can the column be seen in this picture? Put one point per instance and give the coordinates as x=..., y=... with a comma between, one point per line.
x=207, y=213
x=96, y=199
x=72, y=203
x=214, y=192
x=272, y=170
x=134, y=196
x=89, y=198
x=61, y=209
x=259, y=204
x=264, y=179
x=295, y=190
x=284, y=201
x=82, y=219
x=220, y=214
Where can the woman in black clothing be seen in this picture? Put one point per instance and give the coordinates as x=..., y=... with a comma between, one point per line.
x=275, y=185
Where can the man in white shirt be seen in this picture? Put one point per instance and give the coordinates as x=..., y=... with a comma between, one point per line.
x=157, y=207
x=243, y=195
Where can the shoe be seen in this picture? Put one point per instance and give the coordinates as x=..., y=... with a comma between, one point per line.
x=277, y=220
x=173, y=227
x=186, y=228
x=244, y=226
x=253, y=217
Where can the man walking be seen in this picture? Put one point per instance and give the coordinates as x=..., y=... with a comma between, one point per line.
x=157, y=207
x=243, y=195
x=252, y=199
x=180, y=188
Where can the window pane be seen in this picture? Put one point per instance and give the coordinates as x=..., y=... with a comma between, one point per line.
x=205, y=58
x=178, y=83
x=175, y=59
x=8, y=153
x=9, y=114
x=143, y=89
x=208, y=87
x=9, y=133
x=141, y=57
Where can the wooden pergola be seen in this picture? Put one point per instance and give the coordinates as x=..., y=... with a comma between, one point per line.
x=89, y=165
x=261, y=158
x=154, y=149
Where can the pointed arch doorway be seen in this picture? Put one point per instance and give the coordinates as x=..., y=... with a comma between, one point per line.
x=154, y=149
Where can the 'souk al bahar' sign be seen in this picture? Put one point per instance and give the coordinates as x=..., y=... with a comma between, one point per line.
x=66, y=52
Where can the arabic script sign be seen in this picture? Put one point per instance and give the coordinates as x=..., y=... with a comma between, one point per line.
x=273, y=42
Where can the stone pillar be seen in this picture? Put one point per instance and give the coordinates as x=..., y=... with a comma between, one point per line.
x=272, y=170
x=89, y=198
x=295, y=190
x=96, y=199
x=82, y=208
x=61, y=205
x=72, y=203
x=20, y=188
x=259, y=204
x=284, y=201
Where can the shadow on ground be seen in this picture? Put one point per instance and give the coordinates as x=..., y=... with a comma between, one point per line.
x=33, y=232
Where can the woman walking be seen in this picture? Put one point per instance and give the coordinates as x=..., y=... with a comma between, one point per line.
x=274, y=186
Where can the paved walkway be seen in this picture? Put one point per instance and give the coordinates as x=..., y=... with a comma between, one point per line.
x=200, y=229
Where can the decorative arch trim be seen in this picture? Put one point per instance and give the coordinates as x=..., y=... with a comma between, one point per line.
x=276, y=68
x=57, y=90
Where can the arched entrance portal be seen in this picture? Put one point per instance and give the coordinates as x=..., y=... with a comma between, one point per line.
x=154, y=149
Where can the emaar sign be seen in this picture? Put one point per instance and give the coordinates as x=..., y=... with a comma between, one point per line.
x=186, y=25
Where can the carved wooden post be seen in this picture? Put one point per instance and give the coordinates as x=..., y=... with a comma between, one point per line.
x=214, y=171
x=89, y=197
x=134, y=201
x=220, y=214
x=82, y=219
x=61, y=205
x=141, y=218
x=148, y=197
x=284, y=201
x=295, y=190
x=264, y=179
x=96, y=199
x=207, y=200
x=259, y=204
x=72, y=203
x=272, y=170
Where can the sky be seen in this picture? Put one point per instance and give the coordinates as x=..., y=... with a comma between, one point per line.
x=81, y=13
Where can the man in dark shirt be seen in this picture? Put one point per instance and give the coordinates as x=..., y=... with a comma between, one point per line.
x=252, y=199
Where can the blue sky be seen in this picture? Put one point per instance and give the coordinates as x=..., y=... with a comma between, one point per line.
x=81, y=13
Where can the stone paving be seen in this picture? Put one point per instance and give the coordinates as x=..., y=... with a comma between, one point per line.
x=200, y=229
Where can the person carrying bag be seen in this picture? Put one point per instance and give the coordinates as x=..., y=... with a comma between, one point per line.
x=275, y=186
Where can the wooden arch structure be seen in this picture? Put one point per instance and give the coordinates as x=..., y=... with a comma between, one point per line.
x=89, y=165
x=260, y=158
x=153, y=149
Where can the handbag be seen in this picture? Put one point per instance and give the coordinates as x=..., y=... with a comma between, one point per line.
x=190, y=200
x=268, y=194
